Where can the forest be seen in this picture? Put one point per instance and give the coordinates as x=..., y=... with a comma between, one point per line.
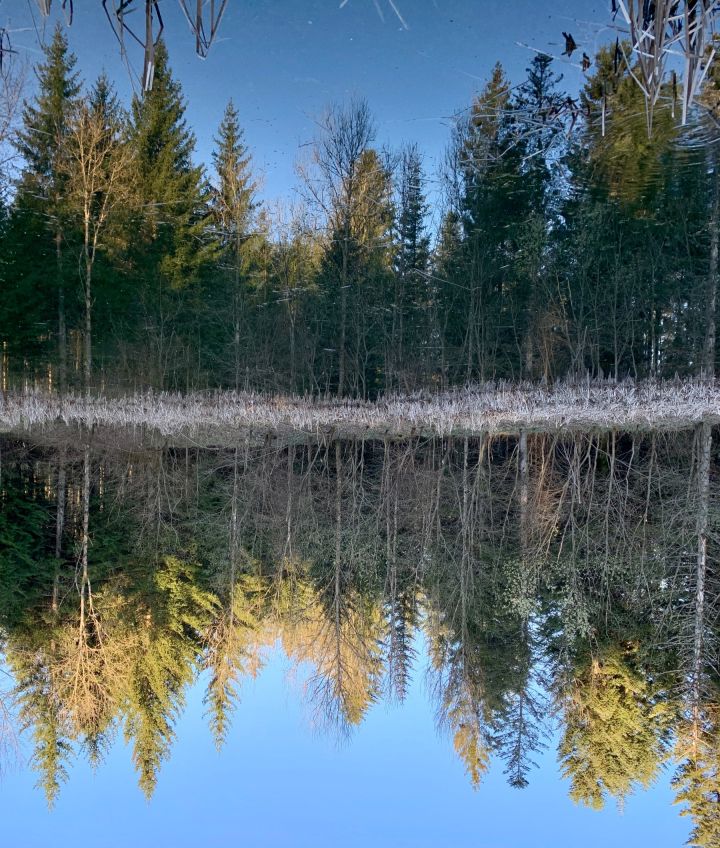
x=559, y=239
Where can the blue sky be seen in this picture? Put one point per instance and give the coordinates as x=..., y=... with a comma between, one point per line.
x=396, y=783
x=282, y=61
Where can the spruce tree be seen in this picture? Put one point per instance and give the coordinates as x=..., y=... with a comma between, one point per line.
x=169, y=245
x=410, y=307
x=447, y=271
x=614, y=734
x=487, y=161
x=39, y=233
x=114, y=292
x=233, y=207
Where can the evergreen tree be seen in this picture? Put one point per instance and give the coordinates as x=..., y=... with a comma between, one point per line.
x=410, y=306
x=538, y=138
x=233, y=208
x=614, y=735
x=35, y=301
x=177, y=614
x=697, y=781
x=40, y=709
x=481, y=342
x=448, y=290
x=170, y=249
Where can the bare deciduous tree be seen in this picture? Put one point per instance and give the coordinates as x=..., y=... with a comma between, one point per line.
x=346, y=132
x=12, y=83
x=96, y=162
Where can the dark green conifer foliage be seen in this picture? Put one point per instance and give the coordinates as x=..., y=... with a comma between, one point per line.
x=40, y=301
x=170, y=249
x=411, y=330
x=233, y=209
x=560, y=250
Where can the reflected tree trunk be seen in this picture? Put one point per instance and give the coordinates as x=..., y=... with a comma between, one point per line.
x=59, y=522
x=708, y=358
x=234, y=525
x=85, y=536
x=704, y=447
x=524, y=491
x=337, y=589
x=62, y=330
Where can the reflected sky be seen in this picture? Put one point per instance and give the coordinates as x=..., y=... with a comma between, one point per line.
x=395, y=782
x=365, y=629
x=283, y=61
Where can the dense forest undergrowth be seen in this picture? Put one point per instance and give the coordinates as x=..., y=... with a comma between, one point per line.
x=557, y=240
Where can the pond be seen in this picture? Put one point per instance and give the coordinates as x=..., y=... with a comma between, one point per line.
x=448, y=641
x=359, y=417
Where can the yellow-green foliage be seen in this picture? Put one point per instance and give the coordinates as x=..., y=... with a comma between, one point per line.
x=614, y=731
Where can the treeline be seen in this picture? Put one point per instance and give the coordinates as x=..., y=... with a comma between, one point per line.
x=548, y=576
x=567, y=242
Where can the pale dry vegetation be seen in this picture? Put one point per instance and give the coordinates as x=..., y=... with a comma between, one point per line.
x=490, y=409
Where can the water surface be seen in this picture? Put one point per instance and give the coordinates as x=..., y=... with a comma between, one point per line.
x=481, y=641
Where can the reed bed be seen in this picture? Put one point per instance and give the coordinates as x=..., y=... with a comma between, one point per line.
x=496, y=408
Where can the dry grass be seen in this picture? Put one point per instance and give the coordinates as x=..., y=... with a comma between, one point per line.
x=492, y=409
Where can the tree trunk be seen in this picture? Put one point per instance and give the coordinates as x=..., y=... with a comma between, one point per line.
x=85, y=538
x=524, y=491
x=293, y=386
x=59, y=524
x=62, y=331
x=234, y=528
x=237, y=313
x=341, y=350
x=708, y=358
x=87, y=370
x=704, y=443
x=337, y=593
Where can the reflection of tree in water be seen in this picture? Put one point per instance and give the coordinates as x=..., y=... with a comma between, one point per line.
x=575, y=570
x=615, y=728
